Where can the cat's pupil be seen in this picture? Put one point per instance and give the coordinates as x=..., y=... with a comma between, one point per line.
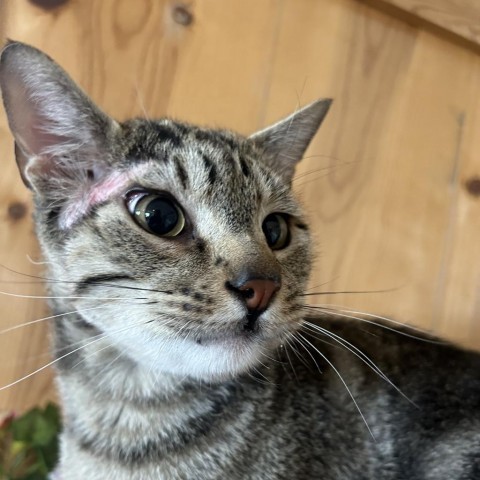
x=161, y=216
x=276, y=232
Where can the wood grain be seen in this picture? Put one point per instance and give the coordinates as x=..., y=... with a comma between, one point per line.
x=461, y=17
x=387, y=183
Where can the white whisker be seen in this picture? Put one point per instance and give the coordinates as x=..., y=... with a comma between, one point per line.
x=49, y=364
x=39, y=320
x=340, y=311
x=358, y=353
x=296, y=352
x=18, y=295
x=35, y=262
x=341, y=379
x=96, y=338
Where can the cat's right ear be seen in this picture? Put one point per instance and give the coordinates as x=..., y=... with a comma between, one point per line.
x=285, y=142
x=60, y=135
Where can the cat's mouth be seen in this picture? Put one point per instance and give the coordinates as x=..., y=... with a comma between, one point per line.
x=227, y=338
x=246, y=332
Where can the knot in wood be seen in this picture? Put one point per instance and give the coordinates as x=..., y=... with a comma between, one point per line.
x=16, y=211
x=473, y=186
x=182, y=15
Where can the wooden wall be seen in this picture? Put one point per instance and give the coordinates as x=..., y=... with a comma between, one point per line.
x=392, y=182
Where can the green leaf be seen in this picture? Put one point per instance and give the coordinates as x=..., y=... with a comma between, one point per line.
x=29, y=444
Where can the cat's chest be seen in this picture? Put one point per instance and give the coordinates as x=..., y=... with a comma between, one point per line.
x=174, y=454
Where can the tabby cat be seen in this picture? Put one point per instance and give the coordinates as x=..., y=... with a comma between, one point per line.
x=177, y=262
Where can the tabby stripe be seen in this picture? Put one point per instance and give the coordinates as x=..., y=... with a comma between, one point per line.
x=106, y=279
x=166, y=133
x=245, y=169
x=217, y=138
x=211, y=169
x=181, y=173
x=62, y=345
x=166, y=443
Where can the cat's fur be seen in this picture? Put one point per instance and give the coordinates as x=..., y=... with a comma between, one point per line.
x=161, y=371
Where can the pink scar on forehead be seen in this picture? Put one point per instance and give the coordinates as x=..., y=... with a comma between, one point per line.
x=96, y=193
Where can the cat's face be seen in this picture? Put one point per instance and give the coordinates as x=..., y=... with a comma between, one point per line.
x=190, y=319
x=183, y=245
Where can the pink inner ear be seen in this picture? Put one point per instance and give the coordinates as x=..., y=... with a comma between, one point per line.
x=99, y=192
x=34, y=131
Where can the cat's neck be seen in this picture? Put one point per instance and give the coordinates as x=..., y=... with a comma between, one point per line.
x=120, y=411
x=83, y=351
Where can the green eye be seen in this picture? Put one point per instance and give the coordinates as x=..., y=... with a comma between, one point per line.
x=159, y=215
x=276, y=231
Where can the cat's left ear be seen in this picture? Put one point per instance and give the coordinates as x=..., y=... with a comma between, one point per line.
x=61, y=137
x=285, y=142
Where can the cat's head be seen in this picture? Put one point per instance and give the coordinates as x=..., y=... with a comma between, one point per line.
x=183, y=244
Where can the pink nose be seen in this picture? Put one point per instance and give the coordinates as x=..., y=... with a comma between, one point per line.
x=258, y=293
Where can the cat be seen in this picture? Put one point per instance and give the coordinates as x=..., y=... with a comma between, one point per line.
x=178, y=261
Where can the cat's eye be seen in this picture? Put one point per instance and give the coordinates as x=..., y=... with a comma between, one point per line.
x=276, y=231
x=158, y=214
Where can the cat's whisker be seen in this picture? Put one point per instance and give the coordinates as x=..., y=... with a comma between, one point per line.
x=297, y=185
x=340, y=292
x=68, y=346
x=109, y=285
x=140, y=100
x=67, y=297
x=79, y=343
x=25, y=282
x=292, y=117
x=296, y=352
x=255, y=379
x=74, y=344
x=262, y=381
x=96, y=339
x=297, y=108
x=49, y=364
x=328, y=168
x=263, y=365
x=287, y=346
x=341, y=379
x=39, y=320
x=87, y=357
x=69, y=282
x=329, y=309
x=321, y=285
x=297, y=334
x=329, y=157
x=311, y=327
x=341, y=308
x=270, y=358
x=36, y=262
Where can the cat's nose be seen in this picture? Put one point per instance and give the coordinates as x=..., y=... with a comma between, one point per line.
x=257, y=293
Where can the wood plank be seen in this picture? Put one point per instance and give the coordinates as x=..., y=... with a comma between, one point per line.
x=460, y=17
x=223, y=69
x=459, y=307
x=23, y=350
x=385, y=214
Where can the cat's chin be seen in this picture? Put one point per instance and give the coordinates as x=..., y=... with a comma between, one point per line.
x=206, y=358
